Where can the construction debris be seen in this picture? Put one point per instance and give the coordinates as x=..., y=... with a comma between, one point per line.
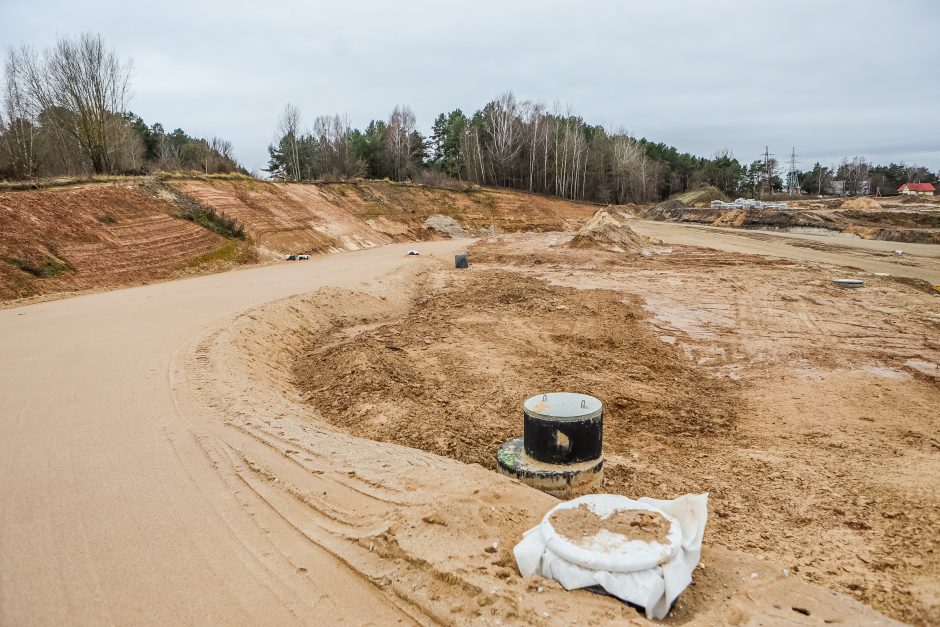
x=748, y=203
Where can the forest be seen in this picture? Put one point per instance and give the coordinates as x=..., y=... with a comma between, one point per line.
x=524, y=145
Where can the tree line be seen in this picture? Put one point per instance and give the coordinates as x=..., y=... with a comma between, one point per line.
x=65, y=112
x=524, y=145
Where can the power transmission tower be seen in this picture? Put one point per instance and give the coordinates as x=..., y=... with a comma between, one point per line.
x=767, y=173
x=793, y=181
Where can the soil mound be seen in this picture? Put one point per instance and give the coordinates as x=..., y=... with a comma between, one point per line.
x=446, y=225
x=672, y=204
x=862, y=203
x=703, y=195
x=608, y=230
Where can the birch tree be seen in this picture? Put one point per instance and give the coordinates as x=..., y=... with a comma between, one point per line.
x=18, y=120
x=288, y=129
x=401, y=125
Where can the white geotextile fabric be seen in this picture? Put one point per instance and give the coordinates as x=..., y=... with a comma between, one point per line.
x=648, y=574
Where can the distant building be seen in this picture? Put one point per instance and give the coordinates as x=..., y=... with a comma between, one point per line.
x=917, y=189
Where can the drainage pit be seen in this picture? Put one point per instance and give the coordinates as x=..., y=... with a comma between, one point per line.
x=561, y=450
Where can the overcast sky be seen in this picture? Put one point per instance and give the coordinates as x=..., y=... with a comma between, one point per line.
x=833, y=79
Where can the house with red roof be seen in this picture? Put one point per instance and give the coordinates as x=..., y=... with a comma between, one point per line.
x=917, y=189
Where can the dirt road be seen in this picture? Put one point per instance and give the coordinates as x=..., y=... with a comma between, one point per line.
x=919, y=261
x=110, y=513
x=158, y=466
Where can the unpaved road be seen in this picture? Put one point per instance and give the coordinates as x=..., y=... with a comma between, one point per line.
x=109, y=513
x=919, y=261
x=156, y=467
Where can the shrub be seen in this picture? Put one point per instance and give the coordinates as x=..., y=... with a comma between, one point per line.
x=215, y=221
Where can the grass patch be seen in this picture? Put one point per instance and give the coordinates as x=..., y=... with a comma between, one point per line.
x=49, y=268
x=188, y=208
x=232, y=251
x=68, y=181
x=706, y=193
x=216, y=221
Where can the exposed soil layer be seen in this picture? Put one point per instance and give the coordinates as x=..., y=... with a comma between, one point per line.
x=311, y=218
x=100, y=235
x=807, y=412
x=864, y=218
x=581, y=523
x=94, y=236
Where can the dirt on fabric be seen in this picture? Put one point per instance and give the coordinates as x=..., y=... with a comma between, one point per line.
x=807, y=412
x=581, y=523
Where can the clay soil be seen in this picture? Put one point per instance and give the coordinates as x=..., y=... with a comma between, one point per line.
x=809, y=413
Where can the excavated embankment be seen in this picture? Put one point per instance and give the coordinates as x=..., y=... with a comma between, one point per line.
x=878, y=224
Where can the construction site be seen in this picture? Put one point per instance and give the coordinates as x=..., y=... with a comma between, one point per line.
x=319, y=437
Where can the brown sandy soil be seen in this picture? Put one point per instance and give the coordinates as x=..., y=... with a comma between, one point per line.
x=808, y=412
x=360, y=214
x=841, y=256
x=431, y=533
x=95, y=236
x=157, y=464
x=863, y=217
x=102, y=235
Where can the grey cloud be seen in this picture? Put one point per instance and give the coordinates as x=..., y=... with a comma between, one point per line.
x=832, y=79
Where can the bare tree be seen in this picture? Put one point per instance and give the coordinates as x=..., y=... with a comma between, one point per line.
x=331, y=133
x=168, y=154
x=17, y=120
x=855, y=173
x=505, y=135
x=86, y=85
x=533, y=117
x=288, y=129
x=398, y=136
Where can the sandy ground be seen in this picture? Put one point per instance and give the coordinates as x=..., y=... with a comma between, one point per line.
x=808, y=412
x=918, y=261
x=158, y=464
x=106, y=235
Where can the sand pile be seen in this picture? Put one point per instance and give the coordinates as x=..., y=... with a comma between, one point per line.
x=608, y=230
x=861, y=203
x=446, y=225
x=703, y=196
